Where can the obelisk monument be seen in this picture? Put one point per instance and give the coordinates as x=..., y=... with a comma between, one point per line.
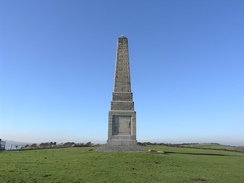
x=122, y=117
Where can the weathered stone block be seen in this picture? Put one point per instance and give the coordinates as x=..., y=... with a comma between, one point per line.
x=122, y=105
x=118, y=96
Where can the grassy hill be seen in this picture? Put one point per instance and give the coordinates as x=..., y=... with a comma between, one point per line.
x=77, y=165
x=209, y=146
x=214, y=146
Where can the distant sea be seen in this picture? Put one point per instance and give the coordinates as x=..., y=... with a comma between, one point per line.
x=11, y=145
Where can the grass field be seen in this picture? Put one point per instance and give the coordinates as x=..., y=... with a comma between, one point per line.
x=77, y=165
x=209, y=145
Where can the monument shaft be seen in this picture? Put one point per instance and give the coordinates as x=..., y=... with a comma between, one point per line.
x=122, y=117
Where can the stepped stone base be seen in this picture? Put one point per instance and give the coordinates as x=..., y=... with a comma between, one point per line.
x=135, y=148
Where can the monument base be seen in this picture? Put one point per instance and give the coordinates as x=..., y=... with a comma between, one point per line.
x=116, y=145
x=119, y=142
x=122, y=148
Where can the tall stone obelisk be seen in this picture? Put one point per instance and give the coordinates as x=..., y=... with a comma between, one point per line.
x=122, y=117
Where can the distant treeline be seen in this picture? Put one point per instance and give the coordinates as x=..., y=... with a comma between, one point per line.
x=55, y=145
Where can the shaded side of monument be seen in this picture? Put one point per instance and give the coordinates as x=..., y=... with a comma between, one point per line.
x=122, y=117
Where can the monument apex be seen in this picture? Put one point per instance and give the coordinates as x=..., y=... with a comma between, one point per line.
x=122, y=117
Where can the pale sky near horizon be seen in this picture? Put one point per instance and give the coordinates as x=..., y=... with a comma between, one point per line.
x=57, y=62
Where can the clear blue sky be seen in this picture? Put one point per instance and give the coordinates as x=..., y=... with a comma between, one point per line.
x=57, y=62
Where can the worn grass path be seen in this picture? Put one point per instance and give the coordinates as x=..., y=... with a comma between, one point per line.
x=76, y=165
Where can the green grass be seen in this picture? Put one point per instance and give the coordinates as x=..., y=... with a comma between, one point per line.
x=209, y=145
x=76, y=165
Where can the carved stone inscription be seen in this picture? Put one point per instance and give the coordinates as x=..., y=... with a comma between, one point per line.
x=121, y=125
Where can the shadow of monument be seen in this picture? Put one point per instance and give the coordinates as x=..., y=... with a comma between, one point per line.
x=202, y=154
